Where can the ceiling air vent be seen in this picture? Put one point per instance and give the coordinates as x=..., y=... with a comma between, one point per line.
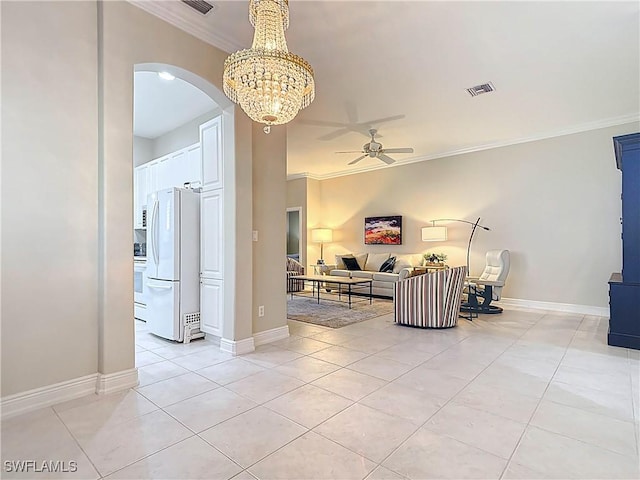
x=480, y=89
x=199, y=5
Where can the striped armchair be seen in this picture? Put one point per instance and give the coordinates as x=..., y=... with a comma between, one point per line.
x=294, y=268
x=431, y=300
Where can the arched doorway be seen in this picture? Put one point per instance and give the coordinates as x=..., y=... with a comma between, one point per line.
x=215, y=146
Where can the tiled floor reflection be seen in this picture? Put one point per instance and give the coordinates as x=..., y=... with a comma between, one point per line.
x=522, y=395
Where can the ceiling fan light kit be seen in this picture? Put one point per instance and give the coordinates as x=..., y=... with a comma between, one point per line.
x=374, y=149
x=269, y=83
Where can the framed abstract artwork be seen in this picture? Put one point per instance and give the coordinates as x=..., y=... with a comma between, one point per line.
x=383, y=230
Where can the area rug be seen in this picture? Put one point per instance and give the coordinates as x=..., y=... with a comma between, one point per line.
x=335, y=315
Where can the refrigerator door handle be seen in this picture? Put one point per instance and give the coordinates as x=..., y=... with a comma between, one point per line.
x=163, y=287
x=154, y=230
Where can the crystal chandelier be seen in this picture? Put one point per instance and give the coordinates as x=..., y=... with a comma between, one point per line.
x=270, y=83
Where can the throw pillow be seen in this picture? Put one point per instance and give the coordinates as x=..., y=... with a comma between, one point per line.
x=387, y=266
x=375, y=261
x=339, y=263
x=351, y=263
x=362, y=259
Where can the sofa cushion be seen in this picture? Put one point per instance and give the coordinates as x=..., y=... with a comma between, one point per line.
x=387, y=266
x=351, y=263
x=361, y=274
x=385, y=277
x=340, y=273
x=375, y=261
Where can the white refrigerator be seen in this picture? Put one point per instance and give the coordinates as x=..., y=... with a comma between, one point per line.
x=173, y=260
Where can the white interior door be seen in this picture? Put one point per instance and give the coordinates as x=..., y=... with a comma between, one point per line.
x=211, y=149
x=212, y=234
x=211, y=306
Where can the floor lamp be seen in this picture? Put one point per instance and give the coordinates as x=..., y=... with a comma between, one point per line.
x=439, y=234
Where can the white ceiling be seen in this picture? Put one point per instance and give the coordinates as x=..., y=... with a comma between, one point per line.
x=558, y=67
x=160, y=106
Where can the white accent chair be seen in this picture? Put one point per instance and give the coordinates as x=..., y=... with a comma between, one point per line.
x=488, y=286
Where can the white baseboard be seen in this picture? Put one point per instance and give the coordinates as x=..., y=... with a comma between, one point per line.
x=49, y=395
x=30, y=400
x=555, y=307
x=115, y=382
x=238, y=347
x=272, y=335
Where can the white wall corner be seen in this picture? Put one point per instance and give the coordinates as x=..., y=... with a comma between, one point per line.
x=271, y=335
x=47, y=396
x=238, y=347
x=115, y=382
x=555, y=307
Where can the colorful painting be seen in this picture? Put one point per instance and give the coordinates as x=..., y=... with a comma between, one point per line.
x=383, y=230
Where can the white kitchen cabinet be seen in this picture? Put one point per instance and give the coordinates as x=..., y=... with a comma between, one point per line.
x=164, y=173
x=152, y=177
x=193, y=169
x=140, y=181
x=211, y=306
x=211, y=234
x=211, y=145
x=176, y=172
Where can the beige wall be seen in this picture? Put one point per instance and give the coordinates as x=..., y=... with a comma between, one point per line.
x=297, y=197
x=49, y=193
x=269, y=219
x=315, y=211
x=555, y=204
x=142, y=150
x=181, y=137
x=67, y=294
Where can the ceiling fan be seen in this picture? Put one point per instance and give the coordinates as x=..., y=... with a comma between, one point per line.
x=374, y=149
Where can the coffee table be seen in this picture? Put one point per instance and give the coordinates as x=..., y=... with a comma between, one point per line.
x=353, y=286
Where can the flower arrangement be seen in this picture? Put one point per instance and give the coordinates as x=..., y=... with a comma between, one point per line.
x=431, y=257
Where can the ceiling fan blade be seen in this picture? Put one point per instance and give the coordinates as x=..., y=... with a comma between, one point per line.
x=351, y=151
x=321, y=123
x=385, y=119
x=386, y=159
x=398, y=150
x=356, y=160
x=332, y=135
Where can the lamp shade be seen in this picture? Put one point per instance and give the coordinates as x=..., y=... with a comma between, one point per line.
x=321, y=235
x=434, y=234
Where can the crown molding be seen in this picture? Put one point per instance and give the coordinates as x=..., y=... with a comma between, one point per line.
x=181, y=16
x=584, y=127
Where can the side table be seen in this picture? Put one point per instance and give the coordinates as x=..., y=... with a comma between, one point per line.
x=323, y=269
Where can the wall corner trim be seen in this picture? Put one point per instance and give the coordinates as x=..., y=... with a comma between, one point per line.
x=115, y=382
x=47, y=396
x=237, y=347
x=272, y=335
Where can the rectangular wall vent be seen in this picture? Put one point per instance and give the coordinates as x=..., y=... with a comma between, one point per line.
x=480, y=89
x=199, y=5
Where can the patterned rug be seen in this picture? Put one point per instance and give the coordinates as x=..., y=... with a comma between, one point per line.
x=333, y=314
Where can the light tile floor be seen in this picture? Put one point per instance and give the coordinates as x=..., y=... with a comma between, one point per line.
x=522, y=395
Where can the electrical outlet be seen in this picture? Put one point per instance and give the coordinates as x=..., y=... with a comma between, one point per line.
x=261, y=311
x=255, y=235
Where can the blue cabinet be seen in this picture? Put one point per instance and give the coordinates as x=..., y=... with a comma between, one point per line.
x=624, y=288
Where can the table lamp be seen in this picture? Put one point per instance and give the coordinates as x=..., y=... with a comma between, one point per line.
x=321, y=236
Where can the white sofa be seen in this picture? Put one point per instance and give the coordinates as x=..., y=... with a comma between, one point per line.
x=370, y=263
